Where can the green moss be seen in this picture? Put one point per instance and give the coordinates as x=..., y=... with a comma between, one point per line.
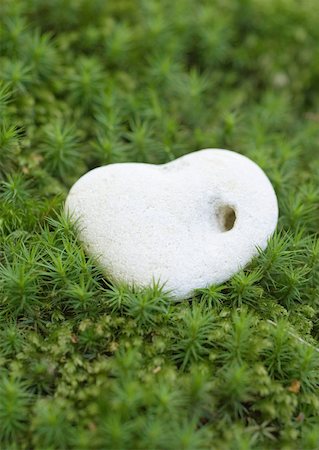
x=88, y=365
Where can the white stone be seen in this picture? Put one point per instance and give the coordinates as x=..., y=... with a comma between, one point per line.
x=189, y=223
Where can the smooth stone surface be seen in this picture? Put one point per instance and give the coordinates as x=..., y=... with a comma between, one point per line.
x=189, y=223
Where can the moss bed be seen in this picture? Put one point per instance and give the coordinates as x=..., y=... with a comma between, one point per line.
x=85, y=364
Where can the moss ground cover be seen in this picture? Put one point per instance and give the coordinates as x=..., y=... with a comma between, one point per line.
x=87, y=365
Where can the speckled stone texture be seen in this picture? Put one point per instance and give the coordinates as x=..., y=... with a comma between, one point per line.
x=189, y=223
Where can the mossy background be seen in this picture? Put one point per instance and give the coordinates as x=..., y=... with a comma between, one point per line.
x=87, y=365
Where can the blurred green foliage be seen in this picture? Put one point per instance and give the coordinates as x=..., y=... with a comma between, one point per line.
x=87, y=365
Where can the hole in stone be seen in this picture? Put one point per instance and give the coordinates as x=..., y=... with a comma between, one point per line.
x=226, y=217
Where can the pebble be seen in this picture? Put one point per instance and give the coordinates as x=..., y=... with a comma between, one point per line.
x=189, y=224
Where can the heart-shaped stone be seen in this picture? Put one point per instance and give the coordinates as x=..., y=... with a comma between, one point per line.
x=189, y=223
